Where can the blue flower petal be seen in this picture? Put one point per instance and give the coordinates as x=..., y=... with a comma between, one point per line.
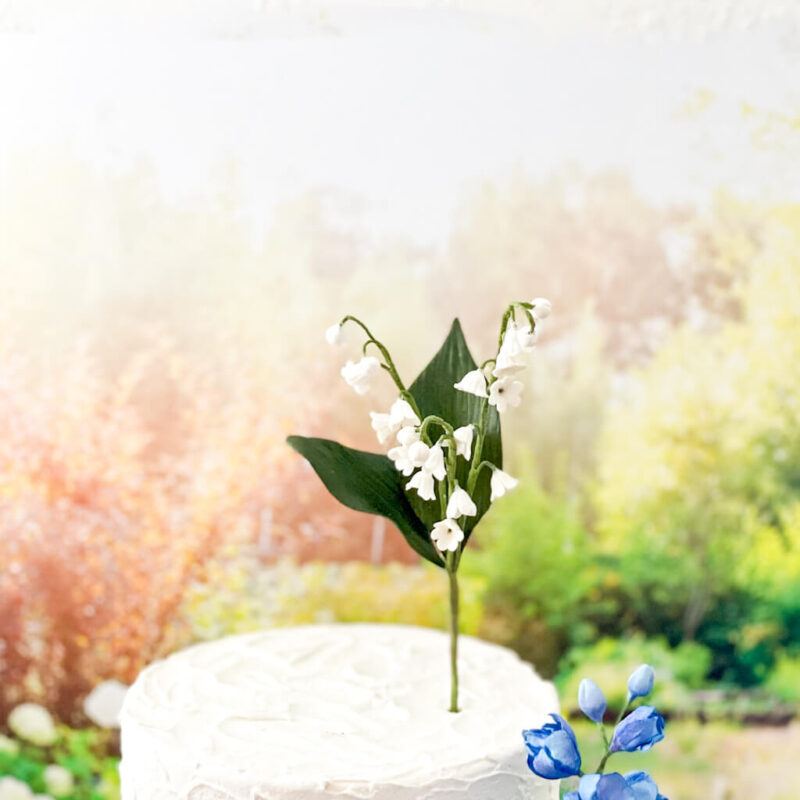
x=640, y=730
x=591, y=700
x=642, y=785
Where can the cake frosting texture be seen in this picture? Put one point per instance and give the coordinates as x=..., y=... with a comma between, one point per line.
x=344, y=711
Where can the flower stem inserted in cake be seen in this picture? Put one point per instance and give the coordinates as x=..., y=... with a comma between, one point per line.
x=443, y=466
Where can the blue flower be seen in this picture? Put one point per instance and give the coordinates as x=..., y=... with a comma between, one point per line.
x=641, y=681
x=591, y=700
x=552, y=750
x=640, y=730
x=605, y=787
x=643, y=786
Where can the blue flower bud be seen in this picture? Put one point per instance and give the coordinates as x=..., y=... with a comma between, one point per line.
x=591, y=700
x=604, y=787
x=640, y=730
x=553, y=750
x=641, y=681
x=643, y=786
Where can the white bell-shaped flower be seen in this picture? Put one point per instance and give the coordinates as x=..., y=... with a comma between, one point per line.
x=511, y=357
x=423, y=483
x=402, y=460
x=474, y=382
x=463, y=437
x=408, y=435
x=14, y=789
x=527, y=337
x=541, y=307
x=504, y=394
x=382, y=425
x=402, y=414
x=447, y=535
x=501, y=483
x=461, y=504
x=334, y=335
x=434, y=463
x=418, y=453
x=360, y=374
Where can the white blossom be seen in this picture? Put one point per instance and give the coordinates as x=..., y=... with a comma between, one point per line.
x=541, y=307
x=402, y=460
x=33, y=723
x=501, y=483
x=447, y=535
x=423, y=483
x=463, y=437
x=382, y=425
x=504, y=394
x=59, y=781
x=474, y=382
x=14, y=789
x=527, y=337
x=402, y=414
x=103, y=704
x=511, y=356
x=408, y=435
x=334, y=335
x=461, y=504
x=418, y=452
x=434, y=463
x=360, y=374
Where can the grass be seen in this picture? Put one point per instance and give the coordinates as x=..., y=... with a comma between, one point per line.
x=711, y=762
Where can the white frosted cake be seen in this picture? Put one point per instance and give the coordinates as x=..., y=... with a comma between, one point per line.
x=344, y=711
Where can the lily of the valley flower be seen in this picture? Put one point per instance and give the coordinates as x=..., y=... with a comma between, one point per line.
x=501, y=483
x=474, y=382
x=407, y=435
x=402, y=415
x=541, y=307
x=527, y=337
x=382, y=425
x=447, y=535
x=434, y=463
x=505, y=393
x=418, y=452
x=423, y=483
x=463, y=437
x=461, y=504
x=511, y=357
x=402, y=459
x=334, y=335
x=359, y=374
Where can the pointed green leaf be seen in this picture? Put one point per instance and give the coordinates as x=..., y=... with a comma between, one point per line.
x=435, y=394
x=366, y=482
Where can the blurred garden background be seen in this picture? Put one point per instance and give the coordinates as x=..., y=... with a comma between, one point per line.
x=187, y=202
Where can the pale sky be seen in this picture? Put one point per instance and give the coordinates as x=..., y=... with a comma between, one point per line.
x=407, y=109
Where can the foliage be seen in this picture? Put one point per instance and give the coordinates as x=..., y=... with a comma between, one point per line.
x=85, y=754
x=784, y=679
x=242, y=596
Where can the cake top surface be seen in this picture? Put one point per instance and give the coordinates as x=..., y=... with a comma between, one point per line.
x=316, y=705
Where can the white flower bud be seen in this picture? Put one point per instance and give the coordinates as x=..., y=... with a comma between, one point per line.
x=423, y=483
x=541, y=307
x=463, y=437
x=334, y=335
x=360, y=374
x=474, y=382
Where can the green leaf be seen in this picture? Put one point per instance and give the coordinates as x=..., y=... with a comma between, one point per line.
x=366, y=482
x=434, y=393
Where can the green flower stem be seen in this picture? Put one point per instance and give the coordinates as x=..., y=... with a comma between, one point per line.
x=389, y=363
x=452, y=575
x=475, y=466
